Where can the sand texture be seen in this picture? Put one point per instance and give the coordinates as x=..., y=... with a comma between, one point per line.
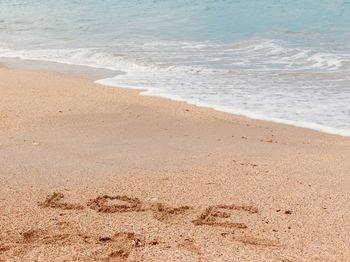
x=92, y=173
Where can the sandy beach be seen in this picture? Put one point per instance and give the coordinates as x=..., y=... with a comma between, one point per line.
x=93, y=173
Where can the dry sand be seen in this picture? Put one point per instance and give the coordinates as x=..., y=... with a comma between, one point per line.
x=91, y=173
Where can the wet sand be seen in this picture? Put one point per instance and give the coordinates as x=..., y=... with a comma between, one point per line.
x=92, y=173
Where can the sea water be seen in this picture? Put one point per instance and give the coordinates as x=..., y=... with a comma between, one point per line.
x=286, y=61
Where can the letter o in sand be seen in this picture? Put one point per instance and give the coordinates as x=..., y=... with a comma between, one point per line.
x=100, y=204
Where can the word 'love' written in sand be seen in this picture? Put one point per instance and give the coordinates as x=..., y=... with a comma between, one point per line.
x=256, y=231
x=234, y=224
x=212, y=216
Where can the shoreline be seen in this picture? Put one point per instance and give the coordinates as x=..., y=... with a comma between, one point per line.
x=91, y=172
x=101, y=76
x=238, y=112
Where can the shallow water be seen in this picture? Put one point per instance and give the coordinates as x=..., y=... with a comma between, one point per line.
x=287, y=61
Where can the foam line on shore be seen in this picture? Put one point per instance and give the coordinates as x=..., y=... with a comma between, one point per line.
x=148, y=91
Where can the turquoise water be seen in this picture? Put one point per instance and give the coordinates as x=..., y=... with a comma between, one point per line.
x=287, y=61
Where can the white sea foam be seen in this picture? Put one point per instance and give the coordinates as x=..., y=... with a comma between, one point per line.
x=149, y=91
